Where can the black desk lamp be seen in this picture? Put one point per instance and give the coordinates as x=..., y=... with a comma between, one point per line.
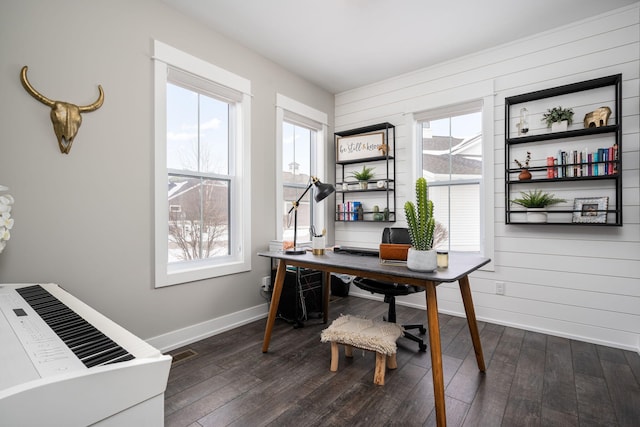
x=323, y=190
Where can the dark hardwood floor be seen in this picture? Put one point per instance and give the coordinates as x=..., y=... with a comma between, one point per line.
x=531, y=380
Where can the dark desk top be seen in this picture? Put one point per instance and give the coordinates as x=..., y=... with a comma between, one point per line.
x=460, y=265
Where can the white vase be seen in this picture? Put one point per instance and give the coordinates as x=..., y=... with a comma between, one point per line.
x=364, y=185
x=560, y=126
x=422, y=260
x=536, y=215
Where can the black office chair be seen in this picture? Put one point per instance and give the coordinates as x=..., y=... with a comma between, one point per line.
x=391, y=290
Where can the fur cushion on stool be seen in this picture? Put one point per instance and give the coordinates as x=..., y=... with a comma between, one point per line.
x=362, y=333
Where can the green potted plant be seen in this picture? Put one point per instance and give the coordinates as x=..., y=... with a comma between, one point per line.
x=363, y=176
x=558, y=118
x=535, y=201
x=421, y=225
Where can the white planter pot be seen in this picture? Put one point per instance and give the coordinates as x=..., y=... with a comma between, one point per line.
x=364, y=185
x=422, y=260
x=536, y=215
x=560, y=126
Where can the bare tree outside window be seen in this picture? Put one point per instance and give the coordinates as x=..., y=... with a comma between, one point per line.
x=199, y=185
x=199, y=227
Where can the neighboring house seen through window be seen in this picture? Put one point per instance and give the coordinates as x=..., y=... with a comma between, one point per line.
x=198, y=171
x=450, y=158
x=201, y=175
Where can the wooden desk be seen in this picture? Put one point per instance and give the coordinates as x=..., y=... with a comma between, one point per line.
x=460, y=265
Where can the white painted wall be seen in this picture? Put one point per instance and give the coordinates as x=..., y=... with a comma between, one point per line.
x=577, y=282
x=84, y=220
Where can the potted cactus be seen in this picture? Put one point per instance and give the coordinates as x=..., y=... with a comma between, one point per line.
x=421, y=225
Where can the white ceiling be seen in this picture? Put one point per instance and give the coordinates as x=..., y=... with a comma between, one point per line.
x=343, y=44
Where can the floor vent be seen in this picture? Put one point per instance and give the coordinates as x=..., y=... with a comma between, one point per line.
x=182, y=356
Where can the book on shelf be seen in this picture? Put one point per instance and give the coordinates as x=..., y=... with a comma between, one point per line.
x=349, y=211
x=562, y=161
x=356, y=213
x=550, y=168
x=575, y=164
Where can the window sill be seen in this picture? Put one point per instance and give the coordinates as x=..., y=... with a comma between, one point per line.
x=179, y=274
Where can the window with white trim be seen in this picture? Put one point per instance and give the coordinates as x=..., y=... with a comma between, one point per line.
x=202, y=182
x=302, y=134
x=450, y=157
x=298, y=143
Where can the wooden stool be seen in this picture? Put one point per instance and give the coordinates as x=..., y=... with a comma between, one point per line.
x=364, y=334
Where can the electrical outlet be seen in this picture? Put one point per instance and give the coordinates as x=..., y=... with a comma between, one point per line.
x=265, y=283
x=499, y=288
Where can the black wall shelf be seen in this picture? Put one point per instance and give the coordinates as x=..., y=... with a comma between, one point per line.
x=583, y=185
x=384, y=196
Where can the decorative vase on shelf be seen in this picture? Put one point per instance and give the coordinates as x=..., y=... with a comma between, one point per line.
x=560, y=126
x=377, y=215
x=523, y=126
x=364, y=185
x=524, y=175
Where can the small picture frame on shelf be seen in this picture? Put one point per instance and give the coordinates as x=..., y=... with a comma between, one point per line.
x=590, y=210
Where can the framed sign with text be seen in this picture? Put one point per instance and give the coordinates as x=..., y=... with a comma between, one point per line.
x=357, y=147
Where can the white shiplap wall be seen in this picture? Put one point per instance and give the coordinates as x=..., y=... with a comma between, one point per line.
x=579, y=282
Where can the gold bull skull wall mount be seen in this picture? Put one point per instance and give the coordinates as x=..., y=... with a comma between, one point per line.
x=66, y=117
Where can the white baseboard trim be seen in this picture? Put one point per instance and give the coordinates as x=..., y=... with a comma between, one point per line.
x=555, y=333
x=185, y=336
x=531, y=328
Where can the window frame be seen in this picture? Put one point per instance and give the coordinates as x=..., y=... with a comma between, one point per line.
x=450, y=101
x=236, y=90
x=297, y=113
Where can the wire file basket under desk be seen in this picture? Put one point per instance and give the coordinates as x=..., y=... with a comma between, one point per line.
x=301, y=297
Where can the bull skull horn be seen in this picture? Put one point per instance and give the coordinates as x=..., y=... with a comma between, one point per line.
x=65, y=117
